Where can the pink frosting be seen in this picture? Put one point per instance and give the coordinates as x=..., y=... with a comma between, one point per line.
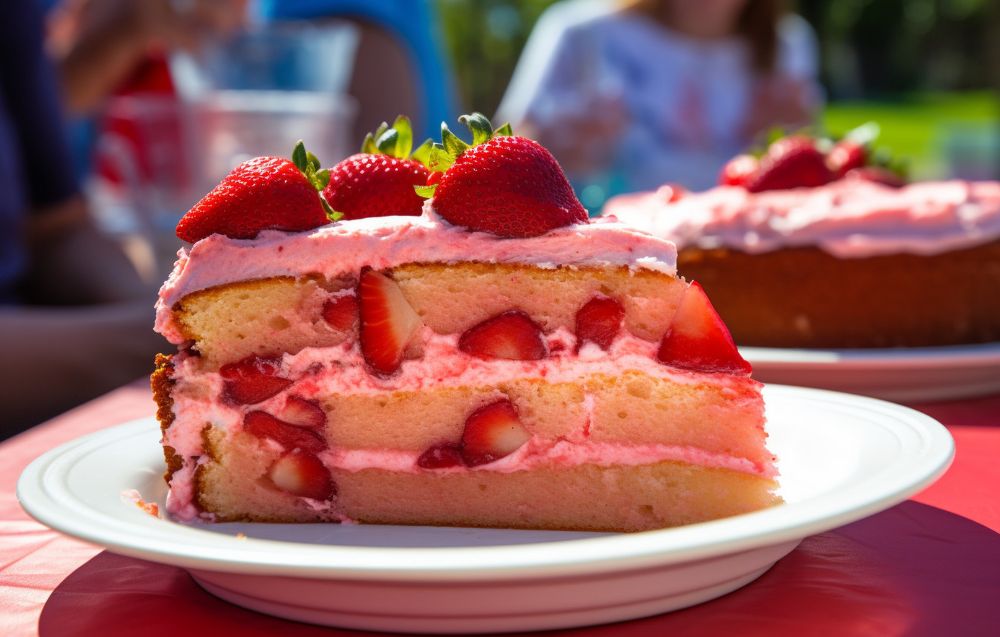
x=384, y=242
x=566, y=453
x=847, y=218
x=341, y=369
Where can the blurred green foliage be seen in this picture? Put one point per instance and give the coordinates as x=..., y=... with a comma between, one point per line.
x=485, y=38
x=879, y=47
x=940, y=133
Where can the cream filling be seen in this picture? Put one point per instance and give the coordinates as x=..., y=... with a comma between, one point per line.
x=341, y=369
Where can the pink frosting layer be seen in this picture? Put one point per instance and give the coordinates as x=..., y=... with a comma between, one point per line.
x=847, y=218
x=536, y=453
x=341, y=370
x=383, y=242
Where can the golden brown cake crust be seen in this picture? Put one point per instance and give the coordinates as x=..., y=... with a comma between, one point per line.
x=805, y=297
x=162, y=383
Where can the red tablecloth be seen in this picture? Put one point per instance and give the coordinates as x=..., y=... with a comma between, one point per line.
x=930, y=566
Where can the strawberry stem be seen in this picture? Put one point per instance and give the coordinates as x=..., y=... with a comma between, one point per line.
x=396, y=141
x=423, y=152
x=317, y=176
x=480, y=126
x=426, y=191
x=444, y=154
x=452, y=142
x=300, y=157
x=440, y=156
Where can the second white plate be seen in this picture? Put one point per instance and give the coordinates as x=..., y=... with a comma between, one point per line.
x=841, y=458
x=914, y=374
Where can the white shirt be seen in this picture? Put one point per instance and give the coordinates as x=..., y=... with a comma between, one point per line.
x=686, y=99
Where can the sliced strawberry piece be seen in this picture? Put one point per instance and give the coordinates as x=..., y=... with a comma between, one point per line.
x=846, y=155
x=739, y=170
x=599, y=321
x=252, y=380
x=303, y=413
x=388, y=323
x=492, y=432
x=264, y=425
x=511, y=335
x=441, y=457
x=698, y=340
x=301, y=473
x=341, y=312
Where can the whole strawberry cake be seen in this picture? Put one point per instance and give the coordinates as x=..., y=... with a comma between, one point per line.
x=486, y=357
x=821, y=245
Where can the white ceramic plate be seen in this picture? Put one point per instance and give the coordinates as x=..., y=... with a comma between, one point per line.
x=912, y=374
x=841, y=457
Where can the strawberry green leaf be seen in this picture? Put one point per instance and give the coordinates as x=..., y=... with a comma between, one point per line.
x=322, y=178
x=299, y=156
x=381, y=129
x=482, y=129
x=312, y=162
x=504, y=131
x=331, y=214
x=774, y=134
x=426, y=191
x=405, y=131
x=387, y=143
x=368, y=146
x=866, y=134
x=452, y=143
x=423, y=152
x=440, y=160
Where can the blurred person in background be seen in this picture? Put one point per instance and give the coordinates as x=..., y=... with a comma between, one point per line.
x=75, y=318
x=631, y=94
x=399, y=67
x=99, y=44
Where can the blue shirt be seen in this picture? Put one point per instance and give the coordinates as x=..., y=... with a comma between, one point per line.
x=36, y=167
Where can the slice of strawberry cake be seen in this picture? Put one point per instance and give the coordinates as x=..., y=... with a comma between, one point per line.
x=814, y=247
x=496, y=360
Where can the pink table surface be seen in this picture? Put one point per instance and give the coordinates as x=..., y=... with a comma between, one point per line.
x=929, y=566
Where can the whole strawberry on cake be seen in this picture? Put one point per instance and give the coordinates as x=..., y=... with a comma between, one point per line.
x=495, y=360
x=823, y=244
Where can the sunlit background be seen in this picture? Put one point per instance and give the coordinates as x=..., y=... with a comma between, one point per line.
x=927, y=71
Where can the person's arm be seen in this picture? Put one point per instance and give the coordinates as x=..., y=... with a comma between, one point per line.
x=96, y=43
x=56, y=358
x=73, y=263
x=94, y=331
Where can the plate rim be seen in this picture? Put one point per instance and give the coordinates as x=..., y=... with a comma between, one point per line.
x=555, y=559
x=977, y=354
